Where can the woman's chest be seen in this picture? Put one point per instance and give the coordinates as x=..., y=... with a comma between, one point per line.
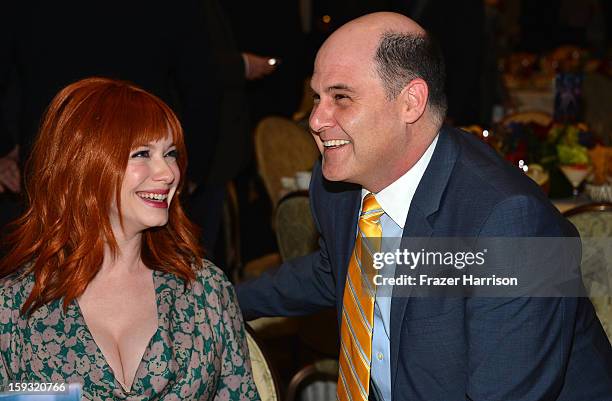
x=182, y=359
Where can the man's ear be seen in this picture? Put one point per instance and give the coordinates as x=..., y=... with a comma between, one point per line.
x=414, y=100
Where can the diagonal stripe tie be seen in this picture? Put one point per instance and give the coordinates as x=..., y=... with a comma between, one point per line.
x=358, y=307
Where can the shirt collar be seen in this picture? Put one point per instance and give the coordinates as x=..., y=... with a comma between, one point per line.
x=395, y=199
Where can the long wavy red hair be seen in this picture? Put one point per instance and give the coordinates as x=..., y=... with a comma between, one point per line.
x=75, y=170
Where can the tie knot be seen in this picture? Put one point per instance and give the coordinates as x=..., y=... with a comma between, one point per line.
x=371, y=210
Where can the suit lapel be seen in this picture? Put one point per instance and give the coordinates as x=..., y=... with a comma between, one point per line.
x=346, y=206
x=425, y=203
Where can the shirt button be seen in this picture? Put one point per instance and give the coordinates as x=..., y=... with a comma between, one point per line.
x=380, y=356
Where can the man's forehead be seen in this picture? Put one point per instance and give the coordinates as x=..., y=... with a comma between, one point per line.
x=338, y=72
x=339, y=78
x=332, y=86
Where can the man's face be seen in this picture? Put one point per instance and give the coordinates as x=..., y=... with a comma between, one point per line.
x=357, y=129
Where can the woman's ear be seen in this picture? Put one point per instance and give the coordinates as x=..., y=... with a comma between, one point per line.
x=413, y=100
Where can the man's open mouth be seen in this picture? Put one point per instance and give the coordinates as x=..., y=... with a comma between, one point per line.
x=335, y=143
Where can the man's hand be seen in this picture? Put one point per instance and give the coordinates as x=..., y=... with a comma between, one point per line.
x=257, y=67
x=10, y=176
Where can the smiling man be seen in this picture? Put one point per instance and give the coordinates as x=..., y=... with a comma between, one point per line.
x=390, y=168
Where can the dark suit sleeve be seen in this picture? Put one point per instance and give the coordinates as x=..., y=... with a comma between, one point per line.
x=230, y=69
x=518, y=348
x=298, y=287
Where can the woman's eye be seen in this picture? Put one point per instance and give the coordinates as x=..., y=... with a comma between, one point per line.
x=140, y=153
x=172, y=153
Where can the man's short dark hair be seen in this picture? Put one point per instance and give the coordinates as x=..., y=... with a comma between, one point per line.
x=402, y=57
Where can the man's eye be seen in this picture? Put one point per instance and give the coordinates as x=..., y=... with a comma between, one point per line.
x=316, y=98
x=340, y=96
x=172, y=153
x=140, y=153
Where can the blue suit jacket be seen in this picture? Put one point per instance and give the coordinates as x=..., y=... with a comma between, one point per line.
x=456, y=348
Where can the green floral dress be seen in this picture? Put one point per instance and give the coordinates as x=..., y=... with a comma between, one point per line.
x=199, y=351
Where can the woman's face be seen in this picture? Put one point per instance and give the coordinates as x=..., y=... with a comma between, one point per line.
x=148, y=186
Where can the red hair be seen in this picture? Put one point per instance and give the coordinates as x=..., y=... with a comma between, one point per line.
x=76, y=167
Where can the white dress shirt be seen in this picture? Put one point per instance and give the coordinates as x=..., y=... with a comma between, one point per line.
x=395, y=200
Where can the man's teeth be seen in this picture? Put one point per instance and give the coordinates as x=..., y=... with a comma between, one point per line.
x=149, y=195
x=335, y=142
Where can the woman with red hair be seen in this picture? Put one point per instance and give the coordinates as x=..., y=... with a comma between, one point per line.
x=104, y=283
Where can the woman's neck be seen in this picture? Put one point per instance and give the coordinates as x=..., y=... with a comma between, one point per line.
x=127, y=260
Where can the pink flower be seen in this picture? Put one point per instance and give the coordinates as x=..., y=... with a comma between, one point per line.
x=48, y=334
x=91, y=347
x=198, y=342
x=158, y=383
x=157, y=367
x=53, y=318
x=186, y=327
x=181, y=304
x=5, y=316
x=53, y=348
x=198, y=290
x=68, y=368
x=213, y=300
x=71, y=357
x=157, y=348
x=83, y=365
x=56, y=377
x=163, y=308
x=36, y=365
x=36, y=339
x=95, y=375
x=237, y=360
x=223, y=395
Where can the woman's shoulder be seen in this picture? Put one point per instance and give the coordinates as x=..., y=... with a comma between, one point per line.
x=212, y=282
x=207, y=272
x=14, y=290
x=15, y=286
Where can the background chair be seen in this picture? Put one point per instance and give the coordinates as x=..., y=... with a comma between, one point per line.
x=264, y=374
x=282, y=149
x=594, y=223
x=234, y=266
x=296, y=234
x=538, y=117
x=315, y=382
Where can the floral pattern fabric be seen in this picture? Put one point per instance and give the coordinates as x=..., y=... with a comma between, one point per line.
x=199, y=351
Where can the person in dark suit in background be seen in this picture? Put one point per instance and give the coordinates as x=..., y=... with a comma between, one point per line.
x=233, y=149
x=157, y=45
x=272, y=29
x=377, y=119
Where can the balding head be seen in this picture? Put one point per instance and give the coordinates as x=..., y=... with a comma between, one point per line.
x=401, y=50
x=377, y=23
x=361, y=37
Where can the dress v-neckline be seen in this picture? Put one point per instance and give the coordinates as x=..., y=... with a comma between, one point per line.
x=101, y=355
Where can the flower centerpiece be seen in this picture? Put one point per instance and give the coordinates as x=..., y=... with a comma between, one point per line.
x=557, y=148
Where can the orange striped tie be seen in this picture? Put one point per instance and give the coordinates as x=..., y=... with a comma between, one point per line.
x=358, y=307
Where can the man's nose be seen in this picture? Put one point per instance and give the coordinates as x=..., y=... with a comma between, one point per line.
x=321, y=117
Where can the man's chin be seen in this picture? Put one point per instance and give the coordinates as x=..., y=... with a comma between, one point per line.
x=331, y=173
